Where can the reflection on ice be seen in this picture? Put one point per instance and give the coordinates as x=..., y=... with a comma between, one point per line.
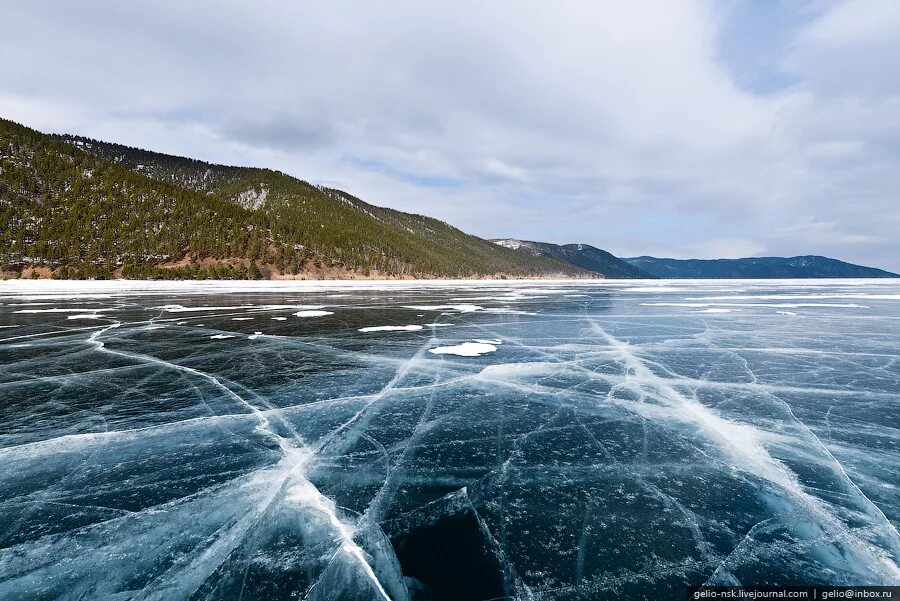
x=562, y=441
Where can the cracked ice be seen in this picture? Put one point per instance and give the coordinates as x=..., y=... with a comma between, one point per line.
x=555, y=441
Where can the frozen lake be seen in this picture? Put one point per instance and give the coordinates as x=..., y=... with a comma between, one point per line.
x=446, y=441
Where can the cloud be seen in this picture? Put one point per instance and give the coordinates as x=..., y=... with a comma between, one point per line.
x=632, y=126
x=279, y=131
x=726, y=248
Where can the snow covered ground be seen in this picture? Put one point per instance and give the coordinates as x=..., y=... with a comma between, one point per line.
x=446, y=440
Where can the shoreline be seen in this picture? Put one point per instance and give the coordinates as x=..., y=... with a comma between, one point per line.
x=328, y=275
x=50, y=286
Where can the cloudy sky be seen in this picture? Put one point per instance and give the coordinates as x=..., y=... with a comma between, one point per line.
x=671, y=128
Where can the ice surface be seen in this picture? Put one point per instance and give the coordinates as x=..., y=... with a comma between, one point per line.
x=620, y=440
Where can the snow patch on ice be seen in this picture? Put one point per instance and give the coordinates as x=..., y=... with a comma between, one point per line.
x=466, y=349
x=409, y=328
x=464, y=308
x=508, y=311
x=183, y=309
x=286, y=307
x=468, y=308
x=56, y=310
x=313, y=313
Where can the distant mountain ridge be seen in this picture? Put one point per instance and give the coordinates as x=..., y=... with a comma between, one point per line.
x=76, y=207
x=807, y=266
x=583, y=256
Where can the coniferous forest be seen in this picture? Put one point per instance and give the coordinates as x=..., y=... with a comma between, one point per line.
x=72, y=207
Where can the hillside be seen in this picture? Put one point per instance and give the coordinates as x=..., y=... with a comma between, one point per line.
x=64, y=209
x=76, y=207
x=582, y=256
x=809, y=266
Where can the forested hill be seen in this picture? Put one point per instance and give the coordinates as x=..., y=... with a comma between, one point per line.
x=583, y=256
x=809, y=266
x=74, y=207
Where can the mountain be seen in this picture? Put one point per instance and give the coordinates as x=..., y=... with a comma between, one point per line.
x=809, y=266
x=76, y=207
x=582, y=256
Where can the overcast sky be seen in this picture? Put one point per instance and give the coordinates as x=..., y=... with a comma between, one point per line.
x=672, y=128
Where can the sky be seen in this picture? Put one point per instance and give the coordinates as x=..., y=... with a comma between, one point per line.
x=669, y=128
